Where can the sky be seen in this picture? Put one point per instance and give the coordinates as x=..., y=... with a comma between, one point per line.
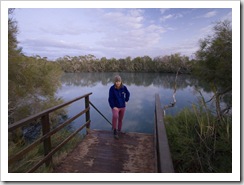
x=115, y=32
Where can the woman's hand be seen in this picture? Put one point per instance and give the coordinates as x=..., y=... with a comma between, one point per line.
x=115, y=108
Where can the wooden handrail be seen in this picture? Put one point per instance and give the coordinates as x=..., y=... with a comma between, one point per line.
x=164, y=160
x=18, y=155
x=38, y=115
x=47, y=133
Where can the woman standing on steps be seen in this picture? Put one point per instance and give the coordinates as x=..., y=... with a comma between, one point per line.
x=118, y=98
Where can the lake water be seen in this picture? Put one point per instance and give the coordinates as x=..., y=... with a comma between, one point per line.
x=139, y=116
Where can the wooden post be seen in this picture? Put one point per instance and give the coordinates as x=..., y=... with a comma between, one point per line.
x=87, y=114
x=47, y=142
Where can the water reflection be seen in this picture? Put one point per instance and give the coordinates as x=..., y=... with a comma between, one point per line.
x=138, y=79
x=139, y=115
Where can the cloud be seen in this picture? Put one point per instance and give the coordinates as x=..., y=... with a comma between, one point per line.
x=110, y=32
x=170, y=16
x=166, y=17
x=127, y=30
x=206, y=30
x=187, y=48
x=136, y=12
x=120, y=31
x=209, y=14
x=144, y=37
x=131, y=19
x=47, y=42
x=71, y=29
x=227, y=16
x=52, y=48
x=163, y=10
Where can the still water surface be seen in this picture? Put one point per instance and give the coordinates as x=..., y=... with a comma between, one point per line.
x=139, y=116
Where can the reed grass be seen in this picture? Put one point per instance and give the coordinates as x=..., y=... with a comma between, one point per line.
x=199, y=142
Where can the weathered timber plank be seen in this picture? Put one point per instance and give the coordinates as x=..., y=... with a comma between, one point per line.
x=165, y=164
x=99, y=152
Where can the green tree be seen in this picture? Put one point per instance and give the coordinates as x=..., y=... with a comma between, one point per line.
x=214, y=58
x=214, y=63
x=13, y=49
x=32, y=82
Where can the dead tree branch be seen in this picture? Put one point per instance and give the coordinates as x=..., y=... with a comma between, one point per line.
x=172, y=104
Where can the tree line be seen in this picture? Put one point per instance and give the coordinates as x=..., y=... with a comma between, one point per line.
x=89, y=63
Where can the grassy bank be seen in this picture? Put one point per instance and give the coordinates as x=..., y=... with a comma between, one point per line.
x=199, y=142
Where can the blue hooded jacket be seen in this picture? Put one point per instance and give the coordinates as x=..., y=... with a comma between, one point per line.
x=118, y=97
